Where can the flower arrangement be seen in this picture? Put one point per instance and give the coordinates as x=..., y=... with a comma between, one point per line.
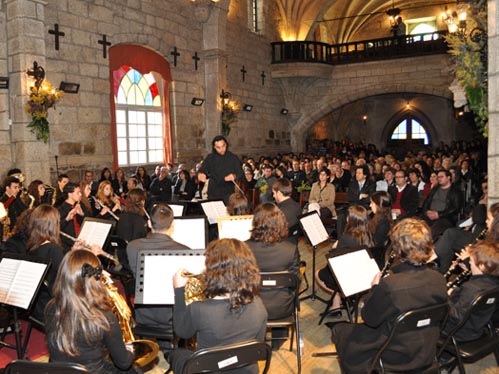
x=229, y=115
x=40, y=99
x=470, y=56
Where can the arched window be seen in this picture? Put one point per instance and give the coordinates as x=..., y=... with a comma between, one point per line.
x=139, y=117
x=140, y=111
x=410, y=130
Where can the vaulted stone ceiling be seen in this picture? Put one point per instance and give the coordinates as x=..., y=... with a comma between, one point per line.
x=343, y=19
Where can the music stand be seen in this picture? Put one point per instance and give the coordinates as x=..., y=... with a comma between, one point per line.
x=353, y=272
x=178, y=209
x=316, y=234
x=190, y=231
x=236, y=227
x=155, y=269
x=20, y=280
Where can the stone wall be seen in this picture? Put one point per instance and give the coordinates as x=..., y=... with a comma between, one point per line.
x=493, y=48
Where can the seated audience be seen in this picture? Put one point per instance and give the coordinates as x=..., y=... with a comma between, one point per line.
x=184, y=188
x=404, y=195
x=232, y=311
x=322, y=197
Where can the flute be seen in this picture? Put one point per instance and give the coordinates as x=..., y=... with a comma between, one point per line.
x=89, y=247
x=101, y=204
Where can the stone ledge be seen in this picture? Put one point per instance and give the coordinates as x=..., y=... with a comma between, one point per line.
x=299, y=69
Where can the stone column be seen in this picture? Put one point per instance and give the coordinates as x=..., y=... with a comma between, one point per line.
x=25, y=44
x=214, y=18
x=493, y=60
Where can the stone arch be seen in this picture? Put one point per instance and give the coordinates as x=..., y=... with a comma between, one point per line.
x=144, y=59
x=330, y=103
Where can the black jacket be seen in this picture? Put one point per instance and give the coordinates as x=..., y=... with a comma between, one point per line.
x=353, y=192
x=409, y=200
x=453, y=206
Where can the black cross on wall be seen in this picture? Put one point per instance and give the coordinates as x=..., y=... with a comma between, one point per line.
x=105, y=44
x=57, y=34
x=263, y=77
x=243, y=70
x=196, y=59
x=175, y=54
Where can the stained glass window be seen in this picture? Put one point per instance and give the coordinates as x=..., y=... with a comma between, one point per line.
x=139, y=117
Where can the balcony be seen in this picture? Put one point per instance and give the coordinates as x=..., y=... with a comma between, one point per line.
x=361, y=51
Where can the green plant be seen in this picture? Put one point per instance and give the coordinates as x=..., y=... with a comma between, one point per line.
x=229, y=115
x=469, y=53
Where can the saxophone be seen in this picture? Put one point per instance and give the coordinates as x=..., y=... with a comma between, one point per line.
x=145, y=351
x=194, y=288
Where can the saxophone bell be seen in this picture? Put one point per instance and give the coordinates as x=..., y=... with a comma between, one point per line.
x=194, y=288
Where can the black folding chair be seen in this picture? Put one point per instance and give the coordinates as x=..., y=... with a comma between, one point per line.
x=484, y=303
x=30, y=367
x=229, y=357
x=289, y=281
x=412, y=321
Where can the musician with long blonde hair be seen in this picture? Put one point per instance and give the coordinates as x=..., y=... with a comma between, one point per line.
x=106, y=203
x=81, y=326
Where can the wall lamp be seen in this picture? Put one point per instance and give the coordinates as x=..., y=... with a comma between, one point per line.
x=196, y=101
x=69, y=87
x=247, y=107
x=4, y=83
x=284, y=111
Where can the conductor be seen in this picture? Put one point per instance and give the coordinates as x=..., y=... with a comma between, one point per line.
x=222, y=168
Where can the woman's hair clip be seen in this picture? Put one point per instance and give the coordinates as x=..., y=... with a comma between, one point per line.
x=88, y=270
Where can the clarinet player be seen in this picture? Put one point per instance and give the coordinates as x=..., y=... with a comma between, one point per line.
x=410, y=285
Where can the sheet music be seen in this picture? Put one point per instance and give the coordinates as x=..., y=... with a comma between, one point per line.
x=190, y=232
x=314, y=229
x=213, y=210
x=235, y=227
x=178, y=209
x=354, y=271
x=19, y=281
x=94, y=232
x=158, y=276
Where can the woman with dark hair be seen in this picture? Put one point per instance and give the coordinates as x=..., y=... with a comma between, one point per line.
x=44, y=242
x=36, y=191
x=411, y=285
x=119, y=183
x=281, y=172
x=380, y=224
x=81, y=326
x=232, y=311
x=133, y=222
x=322, y=196
x=185, y=188
x=107, y=205
x=105, y=175
x=238, y=205
x=274, y=253
x=355, y=236
x=143, y=178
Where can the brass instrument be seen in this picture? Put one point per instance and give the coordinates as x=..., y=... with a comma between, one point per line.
x=145, y=351
x=194, y=288
x=6, y=233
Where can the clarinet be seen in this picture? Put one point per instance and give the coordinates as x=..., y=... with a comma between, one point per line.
x=455, y=268
x=459, y=280
x=389, y=263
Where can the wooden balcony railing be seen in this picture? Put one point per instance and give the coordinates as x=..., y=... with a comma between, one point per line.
x=361, y=51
